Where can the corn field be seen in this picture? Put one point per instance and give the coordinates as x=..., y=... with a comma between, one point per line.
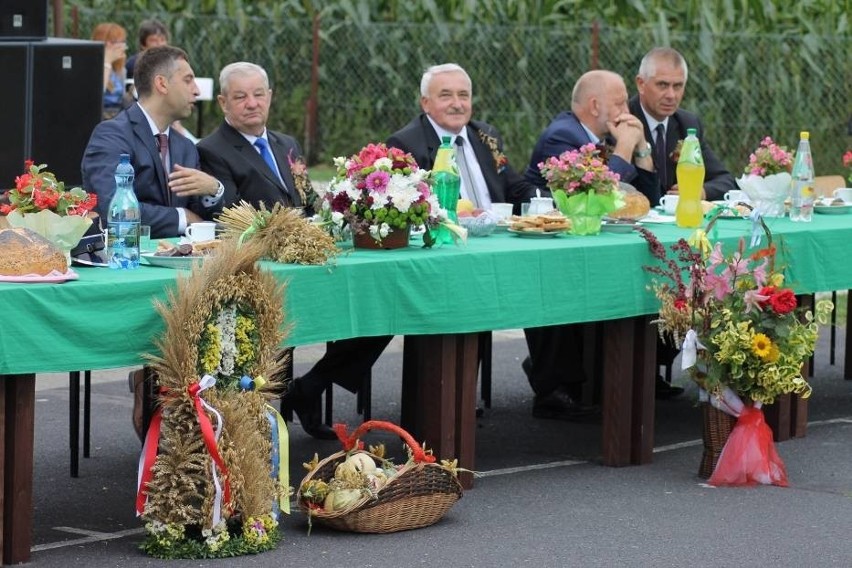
x=755, y=68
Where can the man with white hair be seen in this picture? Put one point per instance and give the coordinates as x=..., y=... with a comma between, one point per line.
x=254, y=163
x=446, y=98
x=661, y=82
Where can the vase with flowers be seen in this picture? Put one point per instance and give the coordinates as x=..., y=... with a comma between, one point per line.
x=583, y=188
x=380, y=193
x=743, y=339
x=766, y=179
x=42, y=203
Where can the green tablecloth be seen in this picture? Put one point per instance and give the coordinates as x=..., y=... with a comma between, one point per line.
x=106, y=319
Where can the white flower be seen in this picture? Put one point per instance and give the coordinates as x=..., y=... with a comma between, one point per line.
x=340, y=162
x=383, y=164
x=337, y=218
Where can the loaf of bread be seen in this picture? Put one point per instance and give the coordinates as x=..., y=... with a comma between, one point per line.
x=636, y=205
x=24, y=252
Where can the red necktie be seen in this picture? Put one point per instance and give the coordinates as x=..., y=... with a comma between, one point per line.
x=163, y=145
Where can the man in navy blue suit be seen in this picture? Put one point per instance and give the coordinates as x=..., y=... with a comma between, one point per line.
x=171, y=190
x=599, y=114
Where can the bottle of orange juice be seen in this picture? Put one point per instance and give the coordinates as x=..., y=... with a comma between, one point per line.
x=690, y=182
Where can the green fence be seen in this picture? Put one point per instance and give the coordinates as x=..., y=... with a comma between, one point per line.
x=744, y=86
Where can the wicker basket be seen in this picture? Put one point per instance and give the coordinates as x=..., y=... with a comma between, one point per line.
x=417, y=496
x=717, y=428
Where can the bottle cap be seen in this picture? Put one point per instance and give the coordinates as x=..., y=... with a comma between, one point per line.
x=804, y=135
x=692, y=132
x=446, y=139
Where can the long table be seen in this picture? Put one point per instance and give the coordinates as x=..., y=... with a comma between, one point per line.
x=439, y=298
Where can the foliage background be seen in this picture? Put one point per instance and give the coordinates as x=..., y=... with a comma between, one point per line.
x=756, y=68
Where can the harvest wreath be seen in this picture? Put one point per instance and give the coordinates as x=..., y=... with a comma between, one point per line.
x=213, y=474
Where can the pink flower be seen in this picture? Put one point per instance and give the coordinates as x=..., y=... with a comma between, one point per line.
x=377, y=181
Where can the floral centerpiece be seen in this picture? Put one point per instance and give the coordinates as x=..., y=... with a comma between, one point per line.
x=42, y=203
x=378, y=192
x=847, y=163
x=583, y=187
x=743, y=338
x=766, y=179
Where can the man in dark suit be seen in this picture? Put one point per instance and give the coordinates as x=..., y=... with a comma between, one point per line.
x=661, y=83
x=169, y=202
x=254, y=163
x=446, y=99
x=446, y=103
x=258, y=165
x=599, y=114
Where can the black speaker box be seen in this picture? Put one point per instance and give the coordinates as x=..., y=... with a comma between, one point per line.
x=51, y=101
x=23, y=19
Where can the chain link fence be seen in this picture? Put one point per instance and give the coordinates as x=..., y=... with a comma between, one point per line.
x=744, y=86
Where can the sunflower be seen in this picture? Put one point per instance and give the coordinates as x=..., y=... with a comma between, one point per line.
x=761, y=345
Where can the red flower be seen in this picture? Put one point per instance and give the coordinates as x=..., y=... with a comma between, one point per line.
x=767, y=291
x=6, y=209
x=28, y=164
x=680, y=304
x=783, y=301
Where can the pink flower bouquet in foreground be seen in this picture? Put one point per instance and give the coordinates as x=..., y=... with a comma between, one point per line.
x=743, y=338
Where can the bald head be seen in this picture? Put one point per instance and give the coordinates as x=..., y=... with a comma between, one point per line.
x=597, y=97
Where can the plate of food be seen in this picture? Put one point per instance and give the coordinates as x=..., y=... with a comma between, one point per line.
x=535, y=233
x=832, y=206
x=183, y=255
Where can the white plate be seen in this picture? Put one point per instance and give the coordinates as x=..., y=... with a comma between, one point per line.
x=657, y=217
x=184, y=262
x=833, y=209
x=52, y=278
x=536, y=234
x=619, y=227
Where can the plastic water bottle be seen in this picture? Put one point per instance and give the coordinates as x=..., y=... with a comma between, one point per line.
x=446, y=183
x=123, y=219
x=690, y=182
x=802, y=191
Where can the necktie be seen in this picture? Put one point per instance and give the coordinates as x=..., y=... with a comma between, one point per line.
x=464, y=170
x=660, y=156
x=163, y=146
x=263, y=146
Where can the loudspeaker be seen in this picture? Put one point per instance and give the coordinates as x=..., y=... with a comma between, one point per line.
x=51, y=98
x=23, y=19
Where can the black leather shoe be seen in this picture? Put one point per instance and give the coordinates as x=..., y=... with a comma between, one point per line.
x=309, y=411
x=665, y=391
x=558, y=405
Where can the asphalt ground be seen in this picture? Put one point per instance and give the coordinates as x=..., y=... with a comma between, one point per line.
x=542, y=497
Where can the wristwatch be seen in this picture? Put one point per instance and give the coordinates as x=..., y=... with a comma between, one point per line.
x=644, y=153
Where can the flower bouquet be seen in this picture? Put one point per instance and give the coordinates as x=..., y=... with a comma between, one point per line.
x=742, y=337
x=380, y=193
x=583, y=188
x=766, y=179
x=847, y=163
x=42, y=204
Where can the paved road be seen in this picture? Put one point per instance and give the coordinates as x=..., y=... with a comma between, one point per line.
x=542, y=499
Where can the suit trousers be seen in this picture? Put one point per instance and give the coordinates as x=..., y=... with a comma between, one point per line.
x=556, y=352
x=345, y=363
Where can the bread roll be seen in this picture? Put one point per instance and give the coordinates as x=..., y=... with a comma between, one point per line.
x=24, y=252
x=636, y=205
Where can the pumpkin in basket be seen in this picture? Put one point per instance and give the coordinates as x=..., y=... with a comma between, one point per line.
x=361, y=491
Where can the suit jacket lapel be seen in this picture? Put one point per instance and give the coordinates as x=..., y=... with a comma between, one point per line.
x=251, y=155
x=282, y=158
x=142, y=130
x=486, y=164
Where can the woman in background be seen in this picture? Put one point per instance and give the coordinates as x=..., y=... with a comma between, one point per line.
x=115, y=47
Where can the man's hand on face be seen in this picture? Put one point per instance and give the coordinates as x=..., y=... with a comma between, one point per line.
x=186, y=182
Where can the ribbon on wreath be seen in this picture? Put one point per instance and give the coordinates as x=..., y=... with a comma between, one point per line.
x=280, y=459
x=208, y=435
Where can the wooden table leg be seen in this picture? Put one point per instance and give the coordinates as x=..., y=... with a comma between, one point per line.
x=17, y=471
x=628, y=392
x=439, y=395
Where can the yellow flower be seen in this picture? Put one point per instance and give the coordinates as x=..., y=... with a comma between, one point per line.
x=774, y=354
x=761, y=345
x=776, y=279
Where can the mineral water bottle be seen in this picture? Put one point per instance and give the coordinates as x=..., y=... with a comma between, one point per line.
x=123, y=219
x=802, y=191
x=446, y=183
x=690, y=182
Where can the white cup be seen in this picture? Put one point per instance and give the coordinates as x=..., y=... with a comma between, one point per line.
x=199, y=232
x=540, y=205
x=736, y=196
x=844, y=193
x=669, y=203
x=501, y=210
